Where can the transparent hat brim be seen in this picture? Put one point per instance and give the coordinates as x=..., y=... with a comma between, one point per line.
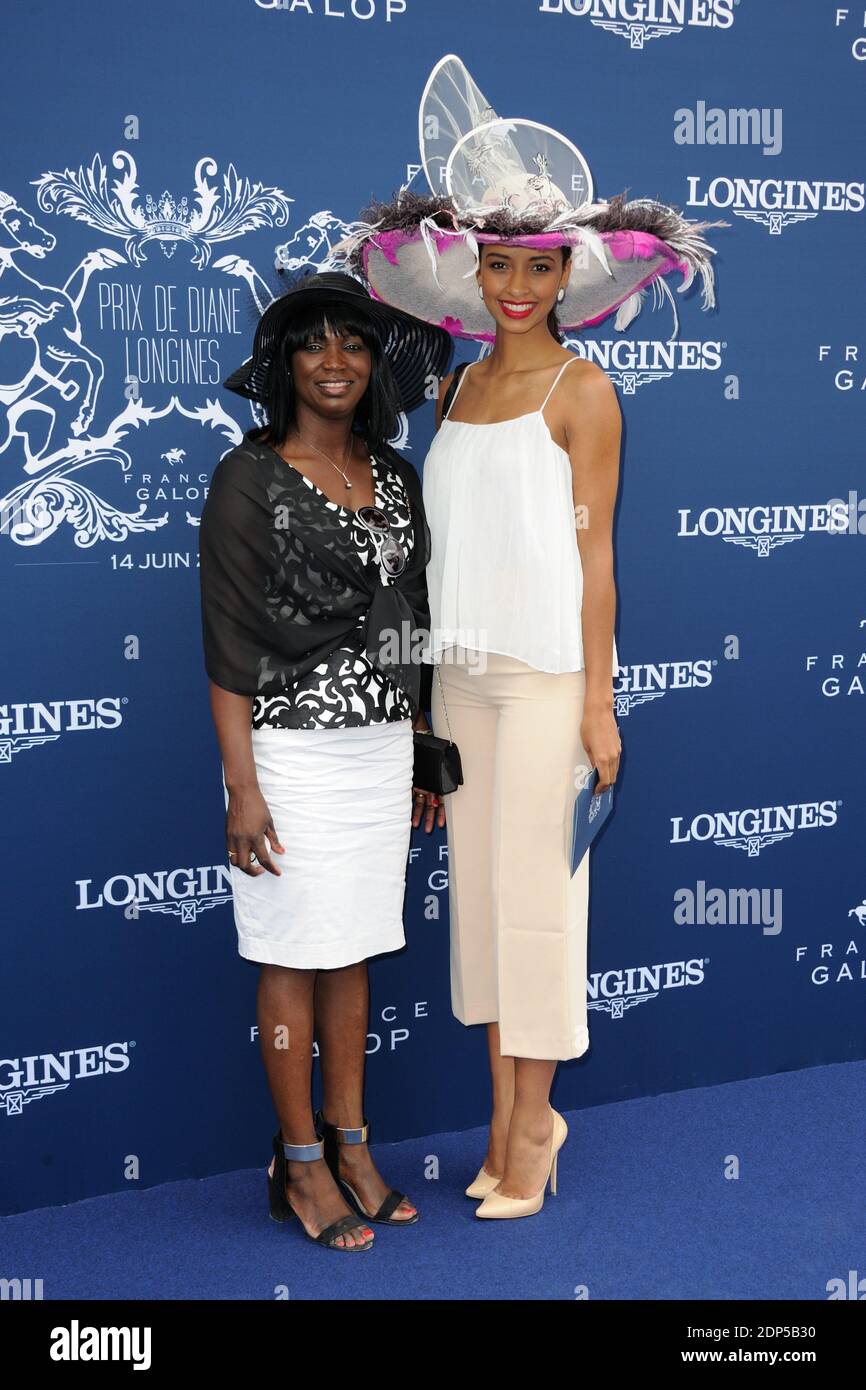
x=398, y=270
x=452, y=104
x=523, y=166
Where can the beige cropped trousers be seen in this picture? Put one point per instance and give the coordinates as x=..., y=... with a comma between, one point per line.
x=518, y=917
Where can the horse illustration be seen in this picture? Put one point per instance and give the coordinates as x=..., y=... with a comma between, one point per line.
x=313, y=244
x=41, y=336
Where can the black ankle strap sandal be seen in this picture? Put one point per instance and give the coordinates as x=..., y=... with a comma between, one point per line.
x=281, y=1208
x=334, y=1136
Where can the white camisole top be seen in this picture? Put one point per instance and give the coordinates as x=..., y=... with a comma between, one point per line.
x=504, y=573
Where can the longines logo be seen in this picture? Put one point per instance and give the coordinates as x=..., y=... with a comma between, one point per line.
x=754, y=828
x=182, y=892
x=25, y=1079
x=635, y=685
x=763, y=528
x=615, y=991
x=26, y=726
x=632, y=363
x=776, y=203
x=642, y=20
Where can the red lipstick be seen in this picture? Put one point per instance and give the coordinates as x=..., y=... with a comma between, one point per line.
x=517, y=309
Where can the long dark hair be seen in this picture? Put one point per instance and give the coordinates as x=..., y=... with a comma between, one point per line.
x=552, y=320
x=376, y=415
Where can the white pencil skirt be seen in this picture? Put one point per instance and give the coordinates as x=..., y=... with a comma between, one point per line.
x=341, y=803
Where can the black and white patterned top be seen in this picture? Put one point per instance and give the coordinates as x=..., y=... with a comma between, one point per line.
x=346, y=690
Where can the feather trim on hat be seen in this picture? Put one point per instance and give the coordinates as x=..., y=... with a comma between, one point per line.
x=411, y=213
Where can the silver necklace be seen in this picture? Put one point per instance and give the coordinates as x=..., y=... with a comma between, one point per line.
x=310, y=445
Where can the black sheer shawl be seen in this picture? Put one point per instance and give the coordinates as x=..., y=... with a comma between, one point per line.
x=283, y=583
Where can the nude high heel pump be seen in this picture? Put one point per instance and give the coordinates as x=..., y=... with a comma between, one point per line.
x=482, y=1184
x=497, y=1207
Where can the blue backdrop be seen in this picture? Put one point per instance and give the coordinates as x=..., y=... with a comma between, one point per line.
x=157, y=159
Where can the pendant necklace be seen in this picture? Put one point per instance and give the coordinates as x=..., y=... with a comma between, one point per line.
x=316, y=448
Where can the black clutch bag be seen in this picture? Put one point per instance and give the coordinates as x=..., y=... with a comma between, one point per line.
x=437, y=766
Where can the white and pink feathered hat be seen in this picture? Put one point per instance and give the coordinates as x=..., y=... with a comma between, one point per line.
x=495, y=180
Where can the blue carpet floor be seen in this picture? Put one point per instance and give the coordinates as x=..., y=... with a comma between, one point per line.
x=644, y=1211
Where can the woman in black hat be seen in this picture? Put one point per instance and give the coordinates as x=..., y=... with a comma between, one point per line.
x=313, y=549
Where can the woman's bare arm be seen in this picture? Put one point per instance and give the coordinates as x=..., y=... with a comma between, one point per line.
x=248, y=820
x=594, y=429
x=232, y=715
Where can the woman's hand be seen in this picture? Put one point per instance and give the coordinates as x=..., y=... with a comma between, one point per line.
x=248, y=829
x=430, y=801
x=425, y=803
x=600, y=737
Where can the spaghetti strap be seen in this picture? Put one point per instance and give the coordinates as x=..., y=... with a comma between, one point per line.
x=460, y=376
x=543, y=405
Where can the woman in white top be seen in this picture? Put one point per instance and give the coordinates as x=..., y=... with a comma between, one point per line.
x=519, y=490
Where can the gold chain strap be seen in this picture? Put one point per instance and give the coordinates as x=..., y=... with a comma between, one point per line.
x=444, y=706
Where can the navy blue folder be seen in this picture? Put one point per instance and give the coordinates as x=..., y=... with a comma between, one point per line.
x=590, y=814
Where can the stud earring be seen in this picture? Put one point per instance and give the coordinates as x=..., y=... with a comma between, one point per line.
x=560, y=296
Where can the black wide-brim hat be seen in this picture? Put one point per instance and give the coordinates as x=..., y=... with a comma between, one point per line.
x=416, y=351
